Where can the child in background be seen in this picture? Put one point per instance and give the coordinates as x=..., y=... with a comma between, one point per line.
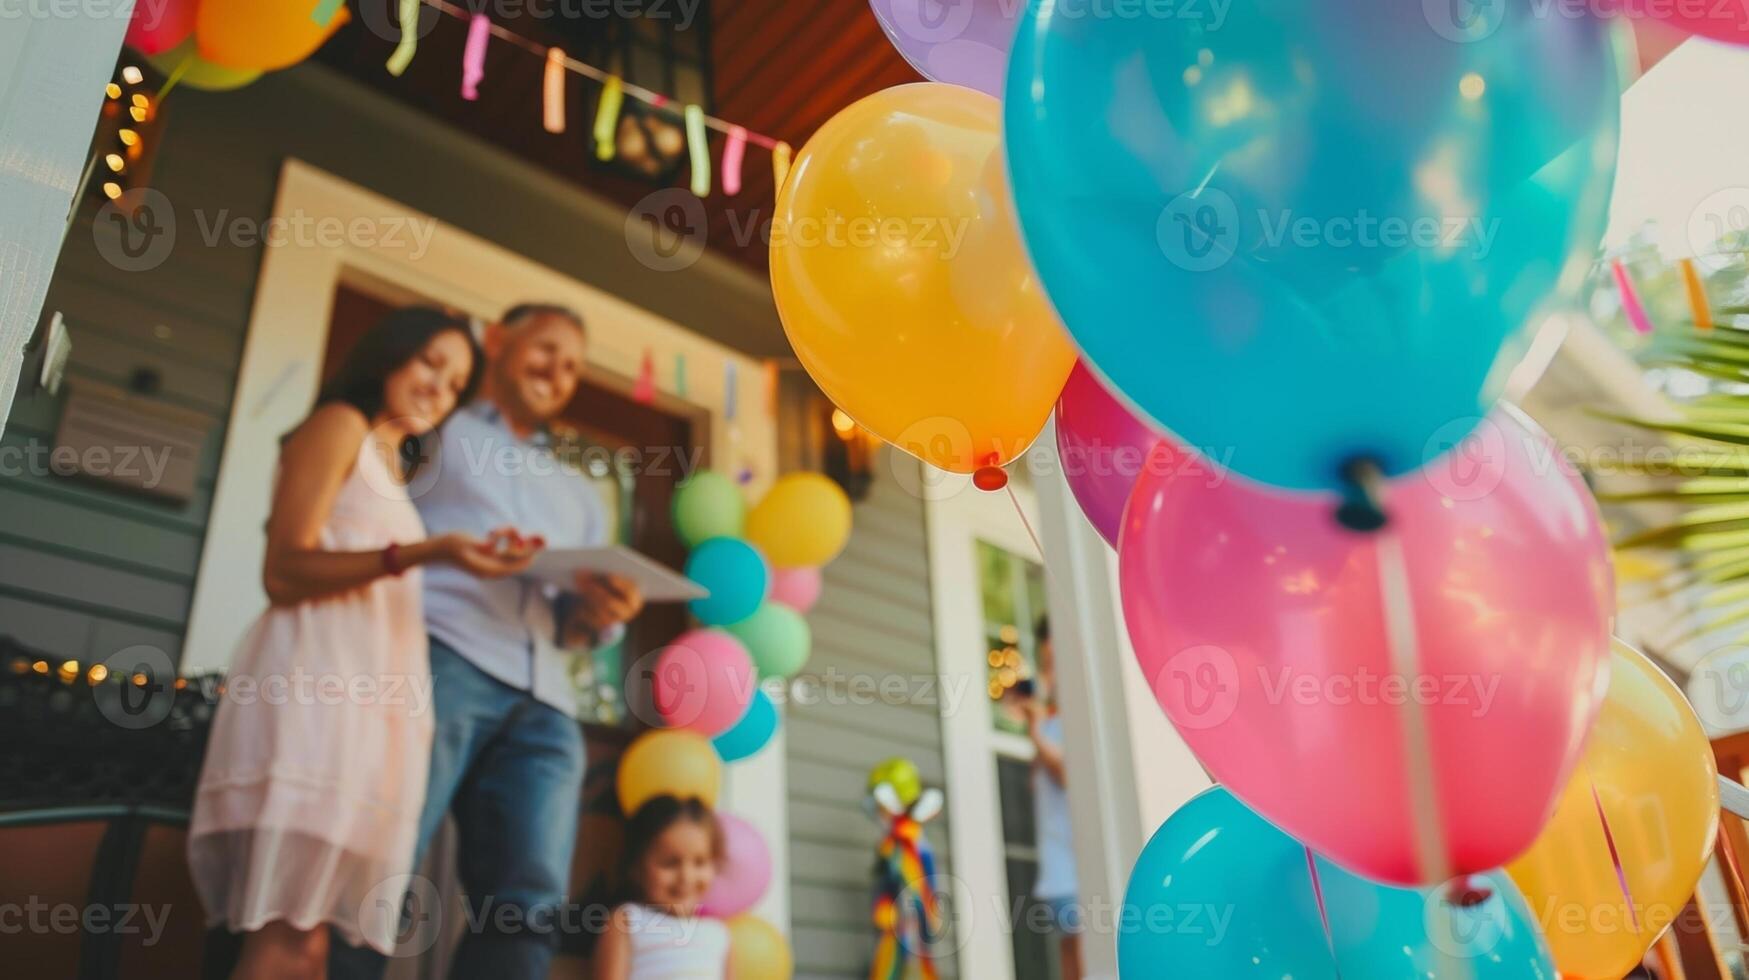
x=672, y=851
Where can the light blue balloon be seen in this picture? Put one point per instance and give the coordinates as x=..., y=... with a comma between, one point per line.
x=1220, y=892
x=750, y=734
x=1303, y=233
x=736, y=575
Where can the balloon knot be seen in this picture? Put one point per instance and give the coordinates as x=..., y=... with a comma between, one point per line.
x=990, y=478
x=1362, y=508
x=1468, y=892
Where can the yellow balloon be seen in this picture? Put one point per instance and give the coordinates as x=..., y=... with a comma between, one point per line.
x=903, y=283
x=757, y=951
x=1651, y=766
x=200, y=73
x=902, y=775
x=803, y=522
x=668, y=763
x=263, y=35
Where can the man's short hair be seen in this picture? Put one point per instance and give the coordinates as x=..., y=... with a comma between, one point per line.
x=523, y=312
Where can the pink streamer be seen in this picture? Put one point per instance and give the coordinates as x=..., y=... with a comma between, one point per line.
x=1621, y=874
x=734, y=151
x=1630, y=299
x=1323, y=909
x=474, y=56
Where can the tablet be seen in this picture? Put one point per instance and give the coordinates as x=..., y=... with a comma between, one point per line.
x=659, y=583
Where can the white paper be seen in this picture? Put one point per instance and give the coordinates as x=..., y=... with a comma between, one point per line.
x=659, y=583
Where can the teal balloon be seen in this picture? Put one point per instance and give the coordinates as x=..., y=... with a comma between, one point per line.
x=778, y=638
x=751, y=733
x=1220, y=892
x=736, y=575
x=1301, y=233
x=708, y=505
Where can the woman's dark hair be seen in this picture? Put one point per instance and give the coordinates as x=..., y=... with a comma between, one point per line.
x=386, y=347
x=650, y=822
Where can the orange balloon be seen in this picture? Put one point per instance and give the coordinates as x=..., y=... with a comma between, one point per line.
x=263, y=35
x=668, y=762
x=903, y=283
x=757, y=951
x=1651, y=768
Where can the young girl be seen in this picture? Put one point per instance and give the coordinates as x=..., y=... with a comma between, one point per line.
x=307, y=809
x=672, y=851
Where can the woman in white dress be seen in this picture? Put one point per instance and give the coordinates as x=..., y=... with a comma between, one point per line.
x=307, y=808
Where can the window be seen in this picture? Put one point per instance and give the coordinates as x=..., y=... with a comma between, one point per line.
x=1014, y=602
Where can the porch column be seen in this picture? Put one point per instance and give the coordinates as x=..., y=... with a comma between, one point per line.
x=1128, y=769
x=54, y=61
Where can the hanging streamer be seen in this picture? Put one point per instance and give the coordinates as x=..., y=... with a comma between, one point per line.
x=644, y=391
x=474, y=56
x=409, y=43
x=680, y=375
x=1630, y=299
x=734, y=151
x=325, y=11
x=780, y=157
x=613, y=96
x=700, y=144
x=1697, y=299
x=730, y=392
x=554, y=92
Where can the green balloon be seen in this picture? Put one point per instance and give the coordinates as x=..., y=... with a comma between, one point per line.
x=778, y=638
x=708, y=505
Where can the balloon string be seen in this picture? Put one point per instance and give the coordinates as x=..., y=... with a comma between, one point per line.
x=1621, y=874
x=1400, y=633
x=1730, y=853
x=1323, y=910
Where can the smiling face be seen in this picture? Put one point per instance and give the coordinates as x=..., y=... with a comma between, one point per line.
x=536, y=367
x=421, y=393
x=678, y=868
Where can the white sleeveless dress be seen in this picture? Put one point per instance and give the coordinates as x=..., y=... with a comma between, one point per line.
x=665, y=947
x=308, y=806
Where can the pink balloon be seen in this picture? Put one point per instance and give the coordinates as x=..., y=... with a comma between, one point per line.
x=797, y=588
x=1708, y=18
x=159, y=25
x=964, y=42
x=1260, y=622
x=704, y=682
x=746, y=871
x=1104, y=447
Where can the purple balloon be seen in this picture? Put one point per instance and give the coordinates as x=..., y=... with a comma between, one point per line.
x=964, y=42
x=746, y=870
x=1103, y=447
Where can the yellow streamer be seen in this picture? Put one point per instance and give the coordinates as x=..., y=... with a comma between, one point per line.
x=780, y=158
x=1697, y=300
x=701, y=151
x=554, y=91
x=409, y=42
x=613, y=96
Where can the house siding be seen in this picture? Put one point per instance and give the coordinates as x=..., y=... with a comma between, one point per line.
x=873, y=621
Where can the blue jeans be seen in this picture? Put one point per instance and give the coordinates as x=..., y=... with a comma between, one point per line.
x=511, y=769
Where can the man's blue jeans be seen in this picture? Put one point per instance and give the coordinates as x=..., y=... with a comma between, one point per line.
x=511, y=769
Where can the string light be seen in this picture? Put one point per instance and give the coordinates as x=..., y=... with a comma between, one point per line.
x=131, y=75
x=115, y=162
